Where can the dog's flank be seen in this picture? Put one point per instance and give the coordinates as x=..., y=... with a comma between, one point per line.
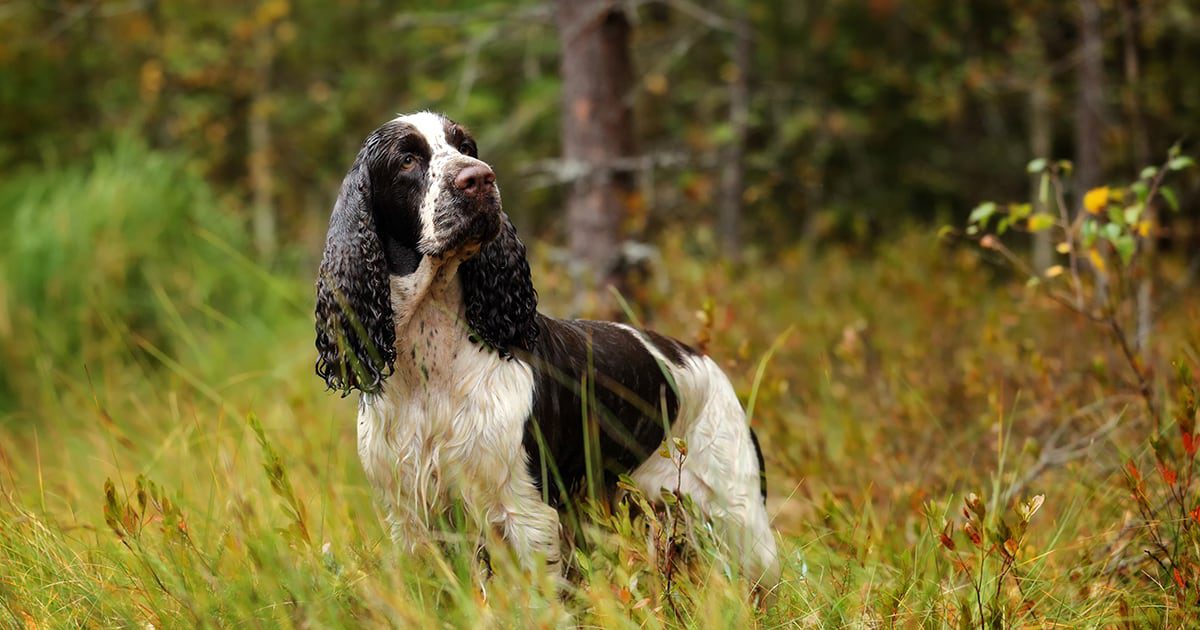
x=426, y=306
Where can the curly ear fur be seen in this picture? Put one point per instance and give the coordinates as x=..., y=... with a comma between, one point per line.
x=501, y=302
x=356, y=338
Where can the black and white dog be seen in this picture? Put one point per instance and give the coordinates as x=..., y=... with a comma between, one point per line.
x=425, y=305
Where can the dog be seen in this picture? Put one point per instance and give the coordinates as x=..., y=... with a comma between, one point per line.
x=425, y=306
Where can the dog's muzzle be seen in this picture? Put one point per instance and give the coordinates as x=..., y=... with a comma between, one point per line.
x=473, y=215
x=476, y=181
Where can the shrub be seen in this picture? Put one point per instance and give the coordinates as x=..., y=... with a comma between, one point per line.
x=106, y=259
x=1105, y=276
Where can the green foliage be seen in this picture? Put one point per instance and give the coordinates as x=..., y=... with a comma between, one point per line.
x=131, y=254
x=1106, y=277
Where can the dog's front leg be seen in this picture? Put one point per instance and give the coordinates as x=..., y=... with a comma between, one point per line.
x=531, y=528
x=408, y=531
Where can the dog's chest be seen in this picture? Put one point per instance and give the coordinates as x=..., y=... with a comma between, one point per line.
x=450, y=420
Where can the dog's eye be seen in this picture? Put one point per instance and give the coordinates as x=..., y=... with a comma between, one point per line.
x=467, y=148
x=408, y=162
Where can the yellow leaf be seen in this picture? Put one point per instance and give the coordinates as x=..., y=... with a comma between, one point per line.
x=656, y=83
x=1054, y=272
x=1063, y=248
x=1095, y=199
x=1040, y=221
x=1143, y=228
x=1097, y=259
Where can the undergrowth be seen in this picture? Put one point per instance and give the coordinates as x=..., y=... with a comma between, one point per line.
x=944, y=448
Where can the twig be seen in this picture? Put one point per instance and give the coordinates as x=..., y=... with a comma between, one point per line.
x=1144, y=387
x=1069, y=227
x=1054, y=455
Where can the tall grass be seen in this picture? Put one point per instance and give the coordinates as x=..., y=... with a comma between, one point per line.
x=138, y=341
x=128, y=259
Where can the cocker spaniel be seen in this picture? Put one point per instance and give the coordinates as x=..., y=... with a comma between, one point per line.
x=425, y=305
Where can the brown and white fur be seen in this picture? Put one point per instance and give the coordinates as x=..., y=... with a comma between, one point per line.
x=426, y=306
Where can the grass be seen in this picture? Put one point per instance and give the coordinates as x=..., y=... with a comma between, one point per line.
x=136, y=489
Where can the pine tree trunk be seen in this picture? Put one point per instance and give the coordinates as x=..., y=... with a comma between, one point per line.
x=1041, y=134
x=263, y=225
x=1141, y=154
x=597, y=131
x=1089, y=106
x=1089, y=114
x=733, y=174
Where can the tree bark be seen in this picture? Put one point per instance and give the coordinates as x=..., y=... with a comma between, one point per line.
x=1040, y=135
x=1141, y=156
x=1089, y=115
x=259, y=158
x=597, y=130
x=1089, y=106
x=733, y=174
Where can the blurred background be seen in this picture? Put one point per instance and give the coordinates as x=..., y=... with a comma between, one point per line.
x=769, y=123
x=763, y=179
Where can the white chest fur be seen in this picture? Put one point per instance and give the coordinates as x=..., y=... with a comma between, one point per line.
x=448, y=423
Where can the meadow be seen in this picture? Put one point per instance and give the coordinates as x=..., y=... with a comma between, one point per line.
x=944, y=446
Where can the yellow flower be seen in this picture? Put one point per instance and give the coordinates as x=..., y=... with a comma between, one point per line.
x=1143, y=228
x=1095, y=199
x=1097, y=260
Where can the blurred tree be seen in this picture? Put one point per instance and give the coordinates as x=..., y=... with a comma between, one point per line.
x=733, y=162
x=1032, y=63
x=1089, y=105
x=597, y=131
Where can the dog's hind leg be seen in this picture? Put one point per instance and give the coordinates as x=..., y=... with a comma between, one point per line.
x=722, y=471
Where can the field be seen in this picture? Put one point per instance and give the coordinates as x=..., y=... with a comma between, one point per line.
x=169, y=459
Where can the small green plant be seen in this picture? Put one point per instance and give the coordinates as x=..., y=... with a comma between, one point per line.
x=1105, y=275
x=276, y=473
x=1107, y=245
x=988, y=560
x=1169, y=509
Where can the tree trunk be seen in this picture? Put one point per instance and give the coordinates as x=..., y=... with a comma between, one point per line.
x=1041, y=134
x=1089, y=113
x=733, y=174
x=1141, y=155
x=597, y=131
x=1089, y=106
x=259, y=158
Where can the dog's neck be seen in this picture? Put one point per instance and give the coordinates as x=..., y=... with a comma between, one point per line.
x=432, y=289
x=431, y=325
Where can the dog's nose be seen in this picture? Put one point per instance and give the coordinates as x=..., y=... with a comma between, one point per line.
x=475, y=179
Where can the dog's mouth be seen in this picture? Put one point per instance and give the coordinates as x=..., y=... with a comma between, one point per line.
x=467, y=224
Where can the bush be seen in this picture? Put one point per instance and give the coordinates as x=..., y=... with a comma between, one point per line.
x=108, y=259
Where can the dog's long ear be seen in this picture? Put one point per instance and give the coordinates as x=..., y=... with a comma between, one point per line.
x=356, y=338
x=499, y=295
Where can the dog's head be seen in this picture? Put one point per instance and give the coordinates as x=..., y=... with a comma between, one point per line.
x=417, y=189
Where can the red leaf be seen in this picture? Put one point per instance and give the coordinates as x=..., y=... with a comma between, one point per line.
x=1195, y=514
x=1133, y=470
x=972, y=533
x=1179, y=579
x=1190, y=443
x=948, y=543
x=1168, y=475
